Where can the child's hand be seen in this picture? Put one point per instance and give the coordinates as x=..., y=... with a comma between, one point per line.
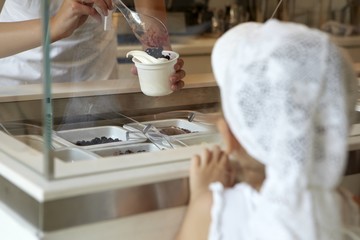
x=212, y=165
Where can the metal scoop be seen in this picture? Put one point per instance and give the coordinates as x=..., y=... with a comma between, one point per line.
x=150, y=31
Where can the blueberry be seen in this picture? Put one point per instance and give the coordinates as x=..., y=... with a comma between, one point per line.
x=80, y=143
x=157, y=52
x=97, y=140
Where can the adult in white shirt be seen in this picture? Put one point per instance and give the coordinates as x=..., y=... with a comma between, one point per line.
x=81, y=49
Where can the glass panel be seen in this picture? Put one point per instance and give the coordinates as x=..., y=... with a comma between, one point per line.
x=80, y=88
x=82, y=102
x=24, y=77
x=48, y=162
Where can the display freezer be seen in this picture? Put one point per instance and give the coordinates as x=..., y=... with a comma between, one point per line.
x=99, y=185
x=133, y=190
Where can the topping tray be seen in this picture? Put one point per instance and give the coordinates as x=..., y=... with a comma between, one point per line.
x=74, y=155
x=95, y=137
x=37, y=142
x=177, y=128
x=126, y=149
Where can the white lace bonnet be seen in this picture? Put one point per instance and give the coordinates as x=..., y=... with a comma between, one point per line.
x=288, y=95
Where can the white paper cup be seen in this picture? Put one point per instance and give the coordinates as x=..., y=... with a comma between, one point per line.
x=154, y=78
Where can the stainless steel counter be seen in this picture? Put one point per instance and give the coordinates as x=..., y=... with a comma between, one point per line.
x=92, y=193
x=103, y=189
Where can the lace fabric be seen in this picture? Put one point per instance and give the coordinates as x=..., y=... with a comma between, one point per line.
x=228, y=205
x=288, y=94
x=215, y=229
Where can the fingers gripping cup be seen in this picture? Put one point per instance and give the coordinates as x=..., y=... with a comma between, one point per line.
x=154, y=72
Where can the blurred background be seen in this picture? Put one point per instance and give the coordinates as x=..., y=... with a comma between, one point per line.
x=340, y=17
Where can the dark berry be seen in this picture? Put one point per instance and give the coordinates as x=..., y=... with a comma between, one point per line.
x=97, y=140
x=157, y=53
x=81, y=143
x=167, y=56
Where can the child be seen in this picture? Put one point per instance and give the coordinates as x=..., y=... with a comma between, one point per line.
x=288, y=97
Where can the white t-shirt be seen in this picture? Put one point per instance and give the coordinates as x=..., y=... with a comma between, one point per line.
x=231, y=211
x=233, y=208
x=89, y=54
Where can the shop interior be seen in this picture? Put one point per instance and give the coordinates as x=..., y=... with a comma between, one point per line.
x=88, y=159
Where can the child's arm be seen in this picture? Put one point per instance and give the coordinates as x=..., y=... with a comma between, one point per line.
x=197, y=219
x=211, y=166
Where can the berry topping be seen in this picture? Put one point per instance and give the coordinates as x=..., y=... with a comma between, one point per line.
x=97, y=140
x=157, y=52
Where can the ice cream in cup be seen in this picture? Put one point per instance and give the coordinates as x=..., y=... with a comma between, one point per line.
x=154, y=67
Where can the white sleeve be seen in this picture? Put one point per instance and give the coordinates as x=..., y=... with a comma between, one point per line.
x=216, y=211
